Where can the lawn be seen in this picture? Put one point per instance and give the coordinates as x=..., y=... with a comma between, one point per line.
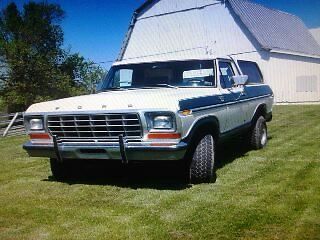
x=268, y=194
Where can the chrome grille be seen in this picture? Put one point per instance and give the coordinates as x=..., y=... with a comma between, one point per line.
x=95, y=126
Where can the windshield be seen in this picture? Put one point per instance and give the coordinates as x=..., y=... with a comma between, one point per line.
x=168, y=74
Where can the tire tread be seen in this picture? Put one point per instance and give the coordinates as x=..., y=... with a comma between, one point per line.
x=202, y=165
x=255, y=136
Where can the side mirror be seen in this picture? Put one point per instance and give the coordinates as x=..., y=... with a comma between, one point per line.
x=240, y=80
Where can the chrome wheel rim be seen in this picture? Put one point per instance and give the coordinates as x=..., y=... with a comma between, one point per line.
x=264, y=136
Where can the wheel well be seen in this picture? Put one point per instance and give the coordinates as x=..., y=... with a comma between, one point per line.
x=205, y=125
x=260, y=111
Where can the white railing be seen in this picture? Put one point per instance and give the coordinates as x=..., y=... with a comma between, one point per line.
x=11, y=124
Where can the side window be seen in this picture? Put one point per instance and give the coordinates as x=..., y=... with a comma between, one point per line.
x=123, y=78
x=252, y=70
x=226, y=74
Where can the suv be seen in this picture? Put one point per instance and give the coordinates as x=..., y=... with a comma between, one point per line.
x=162, y=111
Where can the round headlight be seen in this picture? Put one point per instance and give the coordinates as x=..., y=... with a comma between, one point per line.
x=162, y=122
x=36, y=124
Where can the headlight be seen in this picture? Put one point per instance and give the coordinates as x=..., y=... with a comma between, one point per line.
x=36, y=124
x=160, y=121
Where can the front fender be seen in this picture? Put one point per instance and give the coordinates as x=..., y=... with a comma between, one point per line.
x=209, y=123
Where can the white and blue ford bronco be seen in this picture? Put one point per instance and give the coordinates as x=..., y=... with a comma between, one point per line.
x=162, y=111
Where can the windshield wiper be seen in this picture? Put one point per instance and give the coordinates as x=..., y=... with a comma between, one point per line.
x=143, y=87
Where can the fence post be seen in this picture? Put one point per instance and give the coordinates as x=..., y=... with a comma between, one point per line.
x=10, y=124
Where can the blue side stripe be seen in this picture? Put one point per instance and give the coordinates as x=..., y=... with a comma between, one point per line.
x=208, y=101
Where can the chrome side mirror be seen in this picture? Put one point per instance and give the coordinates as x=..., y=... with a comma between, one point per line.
x=240, y=80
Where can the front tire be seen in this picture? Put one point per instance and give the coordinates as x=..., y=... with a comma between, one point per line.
x=259, y=134
x=203, y=160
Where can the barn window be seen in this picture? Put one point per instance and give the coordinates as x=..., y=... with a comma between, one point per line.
x=252, y=70
x=307, y=84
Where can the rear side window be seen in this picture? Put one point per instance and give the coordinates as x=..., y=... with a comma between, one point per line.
x=252, y=70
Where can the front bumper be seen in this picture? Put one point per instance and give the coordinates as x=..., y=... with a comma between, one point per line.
x=108, y=151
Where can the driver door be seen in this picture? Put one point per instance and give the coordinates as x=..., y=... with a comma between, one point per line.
x=231, y=95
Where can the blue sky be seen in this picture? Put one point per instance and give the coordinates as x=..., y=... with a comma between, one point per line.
x=96, y=28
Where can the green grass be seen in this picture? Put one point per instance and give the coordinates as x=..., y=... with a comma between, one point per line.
x=268, y=194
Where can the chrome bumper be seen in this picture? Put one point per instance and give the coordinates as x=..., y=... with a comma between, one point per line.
x=125, y=153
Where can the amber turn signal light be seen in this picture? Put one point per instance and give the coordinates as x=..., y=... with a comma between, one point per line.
x=164, y=135
x=44, y=136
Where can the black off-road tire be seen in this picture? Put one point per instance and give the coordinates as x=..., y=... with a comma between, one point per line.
x=202, y=167
x=60, y=170
x=259, y=134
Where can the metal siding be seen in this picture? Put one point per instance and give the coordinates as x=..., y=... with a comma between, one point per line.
x=169, y=6
x=216, y=31
x=281, y=73
x=308, y=83
x=316, y=34
x=274, y=29
x=194, y=34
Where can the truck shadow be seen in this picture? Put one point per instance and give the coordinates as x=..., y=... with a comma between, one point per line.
x=137, y=175
x=151, y=175
x=228, y=152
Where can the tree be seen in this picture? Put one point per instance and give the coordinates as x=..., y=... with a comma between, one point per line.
x=31, y=44
x=86, y=73
x=3, y=72
x=93, y=77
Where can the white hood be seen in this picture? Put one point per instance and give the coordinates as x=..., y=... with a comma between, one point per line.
x=139, y=99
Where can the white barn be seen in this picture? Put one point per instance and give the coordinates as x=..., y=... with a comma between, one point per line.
x=170, y=30
x=316, y=34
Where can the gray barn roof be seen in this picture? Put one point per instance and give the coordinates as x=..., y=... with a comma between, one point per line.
x=274, y=30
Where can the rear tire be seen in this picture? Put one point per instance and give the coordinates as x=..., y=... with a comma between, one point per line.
x=60, y=170
x=259, y=134
x=202, y=167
